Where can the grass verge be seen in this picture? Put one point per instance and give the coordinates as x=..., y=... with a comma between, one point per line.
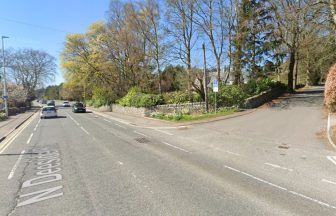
x=189, y=117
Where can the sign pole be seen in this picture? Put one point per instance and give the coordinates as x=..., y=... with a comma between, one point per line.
x=215, y=102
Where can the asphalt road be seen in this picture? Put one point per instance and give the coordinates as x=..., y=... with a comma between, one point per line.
x=269, y=162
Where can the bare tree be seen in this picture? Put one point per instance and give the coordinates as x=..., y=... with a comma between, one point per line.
x=31, y=68
x=210, y=19
x=180, y=16
x=291, y=18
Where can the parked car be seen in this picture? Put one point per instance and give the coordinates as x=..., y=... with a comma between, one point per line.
x=66, y=104
x=78, y=107
x=48, y=112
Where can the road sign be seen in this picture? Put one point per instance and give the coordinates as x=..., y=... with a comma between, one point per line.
x=5, y=97
x=215, y=85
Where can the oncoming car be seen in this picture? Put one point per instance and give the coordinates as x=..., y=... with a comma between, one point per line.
x=66, y=104
x=48, y=112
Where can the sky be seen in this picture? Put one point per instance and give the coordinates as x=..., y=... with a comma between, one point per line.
x=44, y=24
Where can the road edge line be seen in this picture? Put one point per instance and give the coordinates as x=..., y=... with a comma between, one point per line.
x=16, y=127
x=328, y=133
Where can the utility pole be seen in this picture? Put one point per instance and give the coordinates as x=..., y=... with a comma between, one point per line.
x=205, y=81
x=5, y=95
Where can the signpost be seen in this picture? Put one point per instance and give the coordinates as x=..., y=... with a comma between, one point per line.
x=215, y=89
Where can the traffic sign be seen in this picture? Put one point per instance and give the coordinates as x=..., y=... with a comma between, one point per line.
x=5, y=97
x=215, y=85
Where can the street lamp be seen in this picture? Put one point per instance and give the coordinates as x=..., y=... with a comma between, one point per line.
x=5, y=96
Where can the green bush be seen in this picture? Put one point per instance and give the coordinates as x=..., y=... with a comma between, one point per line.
x=3, y=116
x=254, y=87
x=102, y=97
x=228, y=96
x=135, y=98
x=180, y=97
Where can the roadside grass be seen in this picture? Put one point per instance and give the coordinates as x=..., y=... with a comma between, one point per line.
x=189, y=117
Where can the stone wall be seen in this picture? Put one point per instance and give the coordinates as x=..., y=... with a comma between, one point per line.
x=134, y=111
x=193, y=108
x=264, y=97
x=105, y=108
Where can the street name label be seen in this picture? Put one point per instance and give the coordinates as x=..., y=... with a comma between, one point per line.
x=48, y=168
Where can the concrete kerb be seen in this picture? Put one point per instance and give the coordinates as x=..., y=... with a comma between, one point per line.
x=329, y=131
x=16, y=127
x=179, y=124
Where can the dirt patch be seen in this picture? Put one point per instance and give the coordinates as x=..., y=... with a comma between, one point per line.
x=322, y=134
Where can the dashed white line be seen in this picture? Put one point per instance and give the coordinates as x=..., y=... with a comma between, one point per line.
x=107, y=120
x=233, y=153
x=30, y=137
x=85, y=131
x=281, y=188
x=279, y=167
x=165, y=132
x=312, y=199
x=175, y=147
x=121, y=163
x=141, y=134
x=120, y=126
x=11, y=174
x=327, y=181
x=332, y=159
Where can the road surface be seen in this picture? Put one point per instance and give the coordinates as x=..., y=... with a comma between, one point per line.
x=273, y=161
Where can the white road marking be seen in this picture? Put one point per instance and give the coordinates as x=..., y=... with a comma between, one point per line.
x=281, y=188
x=76, y=122
x=327, y=181
x=280, y=167
x=175, y=147
x=121, y=163
x=332, y=159
x=30, y=137
x=35, y=127
x=120, y=126
x=85, y=131
x=16, y=133
x=11, y=174
x=141, y=134
x=328, y=131
x=107, y=120
x=233, y=153
x=165, y=132
x=312, y=199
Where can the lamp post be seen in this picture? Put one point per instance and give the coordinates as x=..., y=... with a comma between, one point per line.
x=5, y=96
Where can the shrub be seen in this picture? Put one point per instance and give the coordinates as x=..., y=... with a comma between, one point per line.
x=228, y=96
x=254, y=87
x=180, y=97
x=135, y=98
x=330, y=89
x=102, y=97
x=3, y=116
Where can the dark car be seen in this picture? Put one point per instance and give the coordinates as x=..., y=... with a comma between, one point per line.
x=51, y=103
x=78, y=107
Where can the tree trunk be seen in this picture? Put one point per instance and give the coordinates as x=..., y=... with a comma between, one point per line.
x=218, y=69
x=296, y=70
x=290, y=71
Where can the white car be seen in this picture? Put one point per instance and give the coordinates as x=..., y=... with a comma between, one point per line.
x=48, y=112
x=66, y=104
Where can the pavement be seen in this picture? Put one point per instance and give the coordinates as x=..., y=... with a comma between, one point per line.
x=13, y=122
x=272, y=161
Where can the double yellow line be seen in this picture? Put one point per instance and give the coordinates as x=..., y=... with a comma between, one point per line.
x=16, y=133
